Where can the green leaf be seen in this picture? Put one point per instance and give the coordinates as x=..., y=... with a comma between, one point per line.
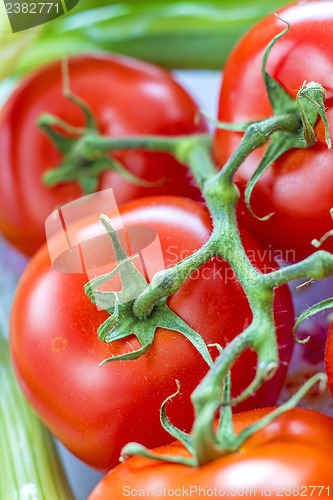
x=187, y=34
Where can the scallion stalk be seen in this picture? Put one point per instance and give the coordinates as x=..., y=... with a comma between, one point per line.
x=30, y=468
x=178, y=34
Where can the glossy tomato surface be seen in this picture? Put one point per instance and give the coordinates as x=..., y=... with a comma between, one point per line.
x=56, y=353
x=298, y=187
x=127, y=97
x=291, y=457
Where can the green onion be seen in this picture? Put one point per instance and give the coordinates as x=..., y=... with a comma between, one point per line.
x=30, y=468
x=192, y=34
x=183, y=34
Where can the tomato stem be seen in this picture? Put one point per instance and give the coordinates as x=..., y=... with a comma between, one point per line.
x=257, y=135
x=85, y=108
x=88, y=155
x=221, y=196
x=225, y=431
x=205, y=444
x=122, y=321
x=319, y=265
x=165, y=283
x=284, y=131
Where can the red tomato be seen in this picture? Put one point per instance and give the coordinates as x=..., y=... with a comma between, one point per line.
x=298, y=187
x=127, y=97
x=56, y=353
x=291, y=457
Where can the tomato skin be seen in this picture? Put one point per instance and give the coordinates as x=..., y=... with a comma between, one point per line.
x=292, y=453
x=298, y=187
x=56, y=353
x=127, y=97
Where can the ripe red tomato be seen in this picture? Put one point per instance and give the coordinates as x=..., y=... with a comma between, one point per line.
x=96, y=410
x=127, y=97
x=298, y=187
x=290, y=457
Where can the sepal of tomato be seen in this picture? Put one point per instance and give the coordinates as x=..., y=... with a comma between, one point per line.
x=56, y=352
x=127, y=97
x=291, y=456
x=298, y=187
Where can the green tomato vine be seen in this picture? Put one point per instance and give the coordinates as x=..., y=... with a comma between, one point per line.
x=291, y=126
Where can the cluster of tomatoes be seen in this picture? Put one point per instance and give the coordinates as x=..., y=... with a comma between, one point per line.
x=56, y=353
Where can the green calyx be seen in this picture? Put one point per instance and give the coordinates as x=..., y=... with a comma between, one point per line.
x=122, y=322
x=292, y=125
x=80, y=163
x=308, y=105
x=209, y=442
